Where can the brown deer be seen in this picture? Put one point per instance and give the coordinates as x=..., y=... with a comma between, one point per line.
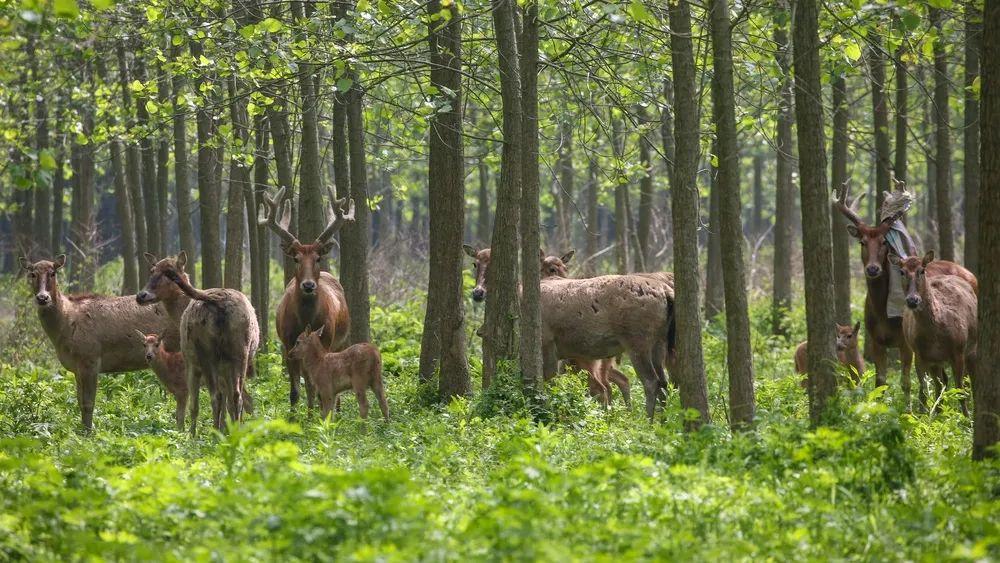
x=314, y=298
x=359, y=367
x=848, y=352
x=603, y=317
x=169, y=369
x=91, y=334
x=939, y=323
x=159, y=289
x=219, y=338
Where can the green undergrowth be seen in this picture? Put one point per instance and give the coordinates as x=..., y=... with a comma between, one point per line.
x=479, y=479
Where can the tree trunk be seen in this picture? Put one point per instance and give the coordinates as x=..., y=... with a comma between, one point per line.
x=593, y=228
x=986, y=388
x=621, y=196
x=311, y=216
x=942, y=144
x=354, y=236
x=41, y=227
x=208, y=194
x=260, y=261
x=816, y=242
x=501, y=337
x=840, y=236
x=644, y=226
x=970, y=172
x=277, y=117
x=151, y=202
x=58, y=191
x=163, y=165
x=688, y=366
x=483, y=225
x=902, y=110
x=444, y=322
x=132, y=176
x=930, y=172
x=84, y=227
x=757, y=215
x=239, y=185
x=531, y=316
x=714, y=290
x=565, y=185
x=880, y=115
x=182, y=189
x=784, y=201
x=739, y=357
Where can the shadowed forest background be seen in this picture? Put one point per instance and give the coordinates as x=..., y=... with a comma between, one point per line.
x=726, y=142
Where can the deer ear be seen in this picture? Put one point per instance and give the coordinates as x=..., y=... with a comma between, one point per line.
x=471, y=251
x=895, y=260
x=853, y=230
x=25, y=264
x=141, y=335
x=320, y=331
x=60, y=261
x=928, y=258
x=568, y=256
x=327, y=246
x=150, y=258
x=857, y=327
x=541, y=255
x=182, y=258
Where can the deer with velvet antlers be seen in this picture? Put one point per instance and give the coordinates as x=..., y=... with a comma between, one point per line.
x=314, y=298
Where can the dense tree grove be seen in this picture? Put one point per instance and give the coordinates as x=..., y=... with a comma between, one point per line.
x=673, y=192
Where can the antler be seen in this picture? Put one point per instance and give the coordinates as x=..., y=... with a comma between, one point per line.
x=340, y=216
x=846, y=206
x=268, y=215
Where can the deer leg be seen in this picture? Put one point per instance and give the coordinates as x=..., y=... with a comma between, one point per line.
x=958, y=373
x=181, y=398
x=620, y=381
x=326, y=404
x=244, y=393
x=644, y=366
x=293, y=380
x=550, y=360
x=86, y=393
x=597, y=383
x=379, y=389
x=921, y=373
x=905, y=358
x=362, y=402
x=194, y=387
x=881, y=361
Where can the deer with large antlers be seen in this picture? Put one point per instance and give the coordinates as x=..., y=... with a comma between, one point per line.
x=314, y=299
x=883, y=331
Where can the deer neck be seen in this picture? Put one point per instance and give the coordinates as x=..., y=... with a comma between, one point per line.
x=878, y=288
x=55, y=319
x=314, y=355
x=931, y=306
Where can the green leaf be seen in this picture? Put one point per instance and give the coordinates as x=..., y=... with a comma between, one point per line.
x=344, y=84
x=152, y=107
x=46, y=160
x=247, y=31
x=66, y=8
x=271, y=25
x=102, y=4
x=943, y=4
x=853, y=51
x=911, y=20
x=153, y=14
x=638, y=12
x=976, y=87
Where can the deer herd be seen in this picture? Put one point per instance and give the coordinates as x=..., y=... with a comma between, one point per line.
x=188, y=336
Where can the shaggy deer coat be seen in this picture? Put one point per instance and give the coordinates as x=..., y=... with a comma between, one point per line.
x=940, y=323
x=91, y=334
x=169, y=369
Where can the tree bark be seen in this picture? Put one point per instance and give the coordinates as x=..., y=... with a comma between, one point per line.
x=784, y=201
x=208, y=194
x=354, y=236
x=986, y=387
x=816, y=242
x=151, y=202
x=84, y=228
x=688, y=367
x=261, y=261
x=669, y=153
x=645, y=222
x=444, y=322
x=621, y=196
x=880, y=116
x=970, y=172
x=41, y=226
x=942, y=143
x=483, y=226
x=565, y=185
x=840, y=236
x=311, y=215
x=902, y=115
x=182, y=189
x=714, y=290
x=757, y=215
x=132, y=175
x=58, y=191
x=739, y=356
x=239, y=185
x=277, y=117
x=501, y=334
x=163, y=164
x=593, y=228
x=930, y=171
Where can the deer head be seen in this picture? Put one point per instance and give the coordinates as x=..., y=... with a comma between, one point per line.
x=847, y=336
x=874, y=248
x=307, y=256
x=159, y=287
x=308, y=339
x=42, y=278
x=481, y=262
x=151, y=342
x=914, y=278
x=555, y=266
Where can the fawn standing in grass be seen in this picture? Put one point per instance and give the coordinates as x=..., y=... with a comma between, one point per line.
x=169, y=369
x=358, y=367
x=847, y=352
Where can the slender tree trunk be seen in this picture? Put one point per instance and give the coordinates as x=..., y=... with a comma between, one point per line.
x=840, y=236
x=261, y=263
x=208, y=194
x=239, y=185
x=714, y=290
x=483, y=225
x=667, y=135
x=565, y=185
x=645, y=223
x=277, y=118
x=880, y=115
x=902, y=114
x=930, y=172
x=757, y=216
x=942, y=143
x=986, y=388
x=182, y=189
x=784, y=204
x=41, y=226
x=133, y=180
x=816, y=242
x=84, y=227
x=688, y=367
x=531, y=317
x=151, y=202
x=163, y=165
x=311, y=216
x=739, y=357
x=500, y=324
x=444, y=323
x=354, y=236
x=621, y=196
x=58, y=191
x=593, y=229
x=970, y=172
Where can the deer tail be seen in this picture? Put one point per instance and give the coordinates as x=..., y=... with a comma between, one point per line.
x=188, y=289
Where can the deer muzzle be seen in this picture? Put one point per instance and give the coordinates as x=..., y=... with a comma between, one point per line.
x=478, y=294
x=43, y=298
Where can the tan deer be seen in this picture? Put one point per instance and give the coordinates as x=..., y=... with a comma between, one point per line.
x=219, y=338
x=169, y=369
x=159, y=289
x=939, y=323
x=357, y=368
x=91, y=334
x=603, y=317
x=314, y=298
x=848, y=352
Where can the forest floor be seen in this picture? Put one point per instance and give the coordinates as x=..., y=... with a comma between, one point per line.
x=477, y=479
